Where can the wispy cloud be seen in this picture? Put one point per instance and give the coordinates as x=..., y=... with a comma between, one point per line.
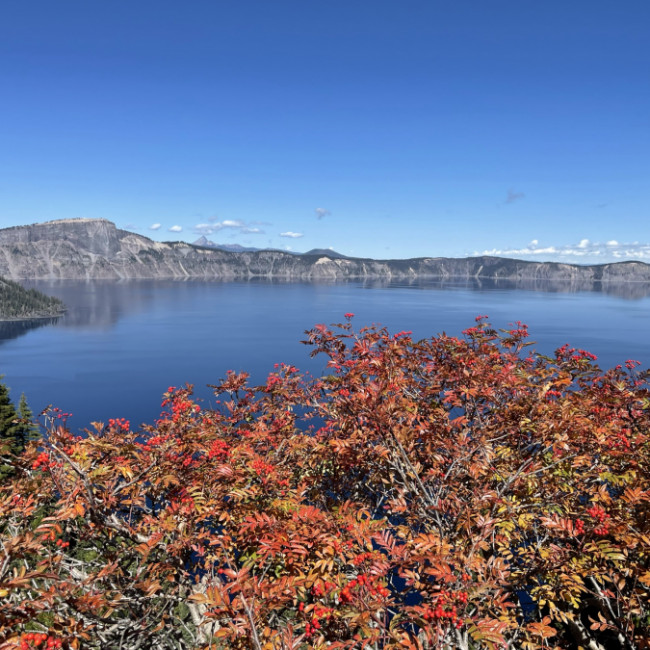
x=175, y=229
x=322, y=212
x=514, y=196
x=231, y=224
x=585, y=251
x=155, y=226
x=293, y=235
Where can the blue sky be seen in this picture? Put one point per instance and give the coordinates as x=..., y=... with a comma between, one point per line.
x=384, y=129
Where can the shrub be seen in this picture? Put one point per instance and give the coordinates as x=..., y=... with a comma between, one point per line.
x=445, y=493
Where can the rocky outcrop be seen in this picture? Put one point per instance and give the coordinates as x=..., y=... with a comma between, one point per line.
x=96, y=249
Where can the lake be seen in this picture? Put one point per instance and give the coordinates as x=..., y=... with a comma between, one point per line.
x=120, y=345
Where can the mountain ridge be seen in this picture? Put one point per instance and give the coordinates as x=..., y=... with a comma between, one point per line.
x=97, y=249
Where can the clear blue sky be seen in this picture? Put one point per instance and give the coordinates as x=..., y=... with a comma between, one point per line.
x=378, y=128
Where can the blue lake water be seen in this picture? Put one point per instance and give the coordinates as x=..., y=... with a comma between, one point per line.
x=120, y=345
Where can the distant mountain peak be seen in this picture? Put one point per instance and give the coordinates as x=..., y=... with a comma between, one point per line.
x=204, y=241
x=231, y=248
x=327, y=252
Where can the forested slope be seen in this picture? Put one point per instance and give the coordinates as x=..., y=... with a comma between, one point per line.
x=18, y=303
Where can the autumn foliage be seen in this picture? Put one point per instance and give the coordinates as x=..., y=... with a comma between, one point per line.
x=445, y=493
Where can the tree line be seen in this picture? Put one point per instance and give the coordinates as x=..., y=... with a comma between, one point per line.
x=16, y=302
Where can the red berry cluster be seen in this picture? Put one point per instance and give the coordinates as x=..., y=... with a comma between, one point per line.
x=156, y=441
x=622, y=441
x=119, y=423
x=262, y=468
x=363, y=581
x=219, y=450
x=601, y=518
x=59, y=414
x=322, y=588
x=42, y=459
x=447, y=607
x=361, y=558
x=566, y=353
x=272, y=381
x=50, y=536
x=180, y=406
x=36, y=640
x=321, y=616
x=579, y=527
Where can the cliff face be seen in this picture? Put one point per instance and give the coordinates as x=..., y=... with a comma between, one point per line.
x=95, y=249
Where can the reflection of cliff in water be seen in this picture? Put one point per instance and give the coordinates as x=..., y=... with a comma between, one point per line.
x=101, y=304
x=625, y=290
x=12, y=329
x=98, y=304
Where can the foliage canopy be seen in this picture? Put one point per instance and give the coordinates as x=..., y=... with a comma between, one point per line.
x=444, y=493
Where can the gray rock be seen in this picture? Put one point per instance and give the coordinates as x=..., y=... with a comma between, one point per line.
x=96, y=249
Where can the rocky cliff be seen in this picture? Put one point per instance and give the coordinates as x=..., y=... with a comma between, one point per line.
x=96, y=249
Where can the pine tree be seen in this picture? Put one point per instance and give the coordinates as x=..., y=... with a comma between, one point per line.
x=28, y=428
x=10, y=436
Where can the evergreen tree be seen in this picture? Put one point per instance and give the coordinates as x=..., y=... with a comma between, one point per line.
x=28, y=428
x=10, y=436
x=9, y=429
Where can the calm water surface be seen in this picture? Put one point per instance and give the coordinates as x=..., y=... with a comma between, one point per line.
x=120, y=345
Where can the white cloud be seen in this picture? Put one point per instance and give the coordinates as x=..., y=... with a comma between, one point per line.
x=584, y=252
x=293, y=235
x=175, y=229
x=232, y=224
x=154, y=226
x=322, y=212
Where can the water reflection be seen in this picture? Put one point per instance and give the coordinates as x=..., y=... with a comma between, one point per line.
x=14, y=328
x=624, y=290
x=99, y=305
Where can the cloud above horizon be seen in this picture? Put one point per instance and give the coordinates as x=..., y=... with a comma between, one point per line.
x=155, y=226
x=322, y=212
x=232, y=224
x=584, y=251
x=175, y=229
x=293, y=235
